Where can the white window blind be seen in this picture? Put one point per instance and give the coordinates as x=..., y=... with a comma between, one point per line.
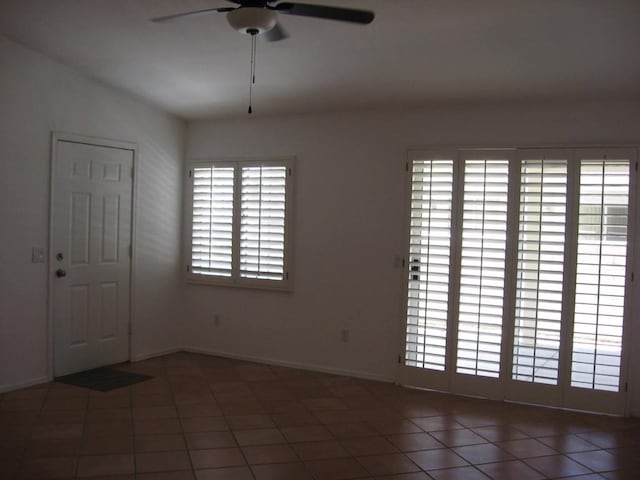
x=533, y=242
x=539, y=281
x=239, y=223
x=601, y=274
x=484, y=228
x=262, y=222
x=429, y=258
x=212, y=221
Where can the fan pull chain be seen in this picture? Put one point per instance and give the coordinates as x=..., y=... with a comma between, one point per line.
x=252, y=78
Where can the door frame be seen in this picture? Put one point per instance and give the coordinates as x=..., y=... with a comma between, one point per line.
x=99, y=142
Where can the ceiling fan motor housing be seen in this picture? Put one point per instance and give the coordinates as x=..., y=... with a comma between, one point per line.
x=252, y=20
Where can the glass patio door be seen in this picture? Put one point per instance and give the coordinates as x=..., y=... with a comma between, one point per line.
x=518, y=274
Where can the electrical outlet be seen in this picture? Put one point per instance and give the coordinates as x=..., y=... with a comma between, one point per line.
x=345, y=335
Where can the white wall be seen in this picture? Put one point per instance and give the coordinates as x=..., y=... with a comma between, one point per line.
x=38, y=96
x=350, y=220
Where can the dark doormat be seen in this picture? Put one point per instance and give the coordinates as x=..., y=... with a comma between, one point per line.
x=103, y=379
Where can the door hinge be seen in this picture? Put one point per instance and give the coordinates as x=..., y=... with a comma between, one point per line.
x=290, y=171
x=404, y=262
x=188, y=268
x=636, y=166
x=626, y=387
x=406, y=167
x=286, y=275
x=189, y=173
x=400, y=359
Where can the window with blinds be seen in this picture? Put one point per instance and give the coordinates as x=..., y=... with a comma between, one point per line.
x=482, y=268
x=239, y=223
x=429, y=258
x=539, y=280
x=601, y=274
x=212, y=220
x=262, y=222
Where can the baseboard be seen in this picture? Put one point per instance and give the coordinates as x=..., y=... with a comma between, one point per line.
x=28, y=383
x=298, y=365
x=635, y=412
x=147, y=356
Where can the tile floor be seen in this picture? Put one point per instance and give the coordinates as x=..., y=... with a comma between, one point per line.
x=209, y=418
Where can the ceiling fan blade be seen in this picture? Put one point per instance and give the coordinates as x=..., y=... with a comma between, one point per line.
x=363, y=17
x=178, y=16
x=276, y=34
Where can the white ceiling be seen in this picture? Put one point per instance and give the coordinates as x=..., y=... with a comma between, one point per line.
x=415, y=53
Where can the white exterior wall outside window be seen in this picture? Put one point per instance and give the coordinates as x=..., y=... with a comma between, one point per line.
x=241, y=223
x=518, y=275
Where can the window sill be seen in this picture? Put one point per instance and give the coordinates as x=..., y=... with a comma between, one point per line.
x=277, y=286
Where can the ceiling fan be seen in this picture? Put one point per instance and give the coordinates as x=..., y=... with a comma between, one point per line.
x=260, y=17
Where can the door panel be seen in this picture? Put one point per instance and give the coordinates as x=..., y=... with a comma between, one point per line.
x=482, y=265
x=90, y=267
x=110, y=230
x=539, y=333
x=78, y=315
x=80, y=228
x=109, y=313
x=428, y=294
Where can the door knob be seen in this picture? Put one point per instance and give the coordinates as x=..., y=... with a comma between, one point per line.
x=61, y=273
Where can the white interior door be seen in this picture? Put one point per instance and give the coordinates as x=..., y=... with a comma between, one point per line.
x=91, y=255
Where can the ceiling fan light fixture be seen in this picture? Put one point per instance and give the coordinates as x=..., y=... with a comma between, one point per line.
x=252, y=20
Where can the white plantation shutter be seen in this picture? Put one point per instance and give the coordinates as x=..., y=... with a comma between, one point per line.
x=518, y=274
x=429, y=257
x=601, y=274
x=484, y=230
x=539, y=281
x=262, y=222
x=212, y=221
x=239, y=233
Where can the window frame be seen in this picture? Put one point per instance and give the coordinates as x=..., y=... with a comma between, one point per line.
x=235, y=279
